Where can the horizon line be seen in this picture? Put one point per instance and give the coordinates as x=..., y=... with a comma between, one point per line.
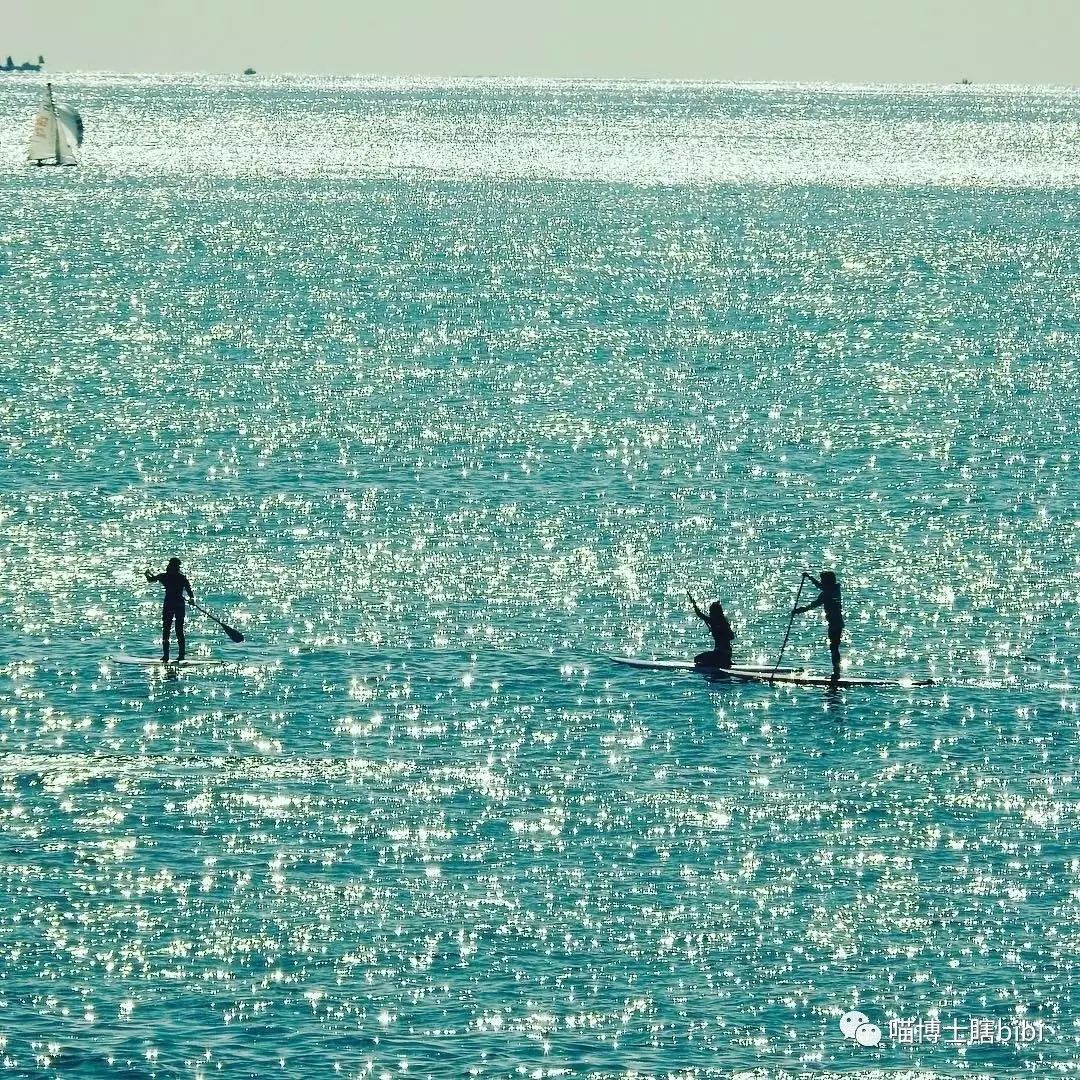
x=963, y=82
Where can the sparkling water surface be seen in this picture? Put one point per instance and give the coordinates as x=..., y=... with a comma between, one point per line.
x=442, y=392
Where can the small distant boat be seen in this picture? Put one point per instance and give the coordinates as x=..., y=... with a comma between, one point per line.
x=58, y=133
x=10, y=65
x=249, y=71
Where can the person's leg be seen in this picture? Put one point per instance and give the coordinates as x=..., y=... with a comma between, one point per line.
x=706, y=659
x=181, y=641
x=166, y=627
x=834, y=652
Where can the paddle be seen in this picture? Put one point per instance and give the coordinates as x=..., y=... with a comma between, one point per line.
x=787, y=632
x=233, y=633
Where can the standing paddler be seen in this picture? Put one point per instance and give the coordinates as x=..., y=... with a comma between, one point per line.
x=828, y=598
x=173, y=608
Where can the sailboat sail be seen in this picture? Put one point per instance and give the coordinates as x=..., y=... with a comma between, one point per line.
x=68, y=118
x=57, y=134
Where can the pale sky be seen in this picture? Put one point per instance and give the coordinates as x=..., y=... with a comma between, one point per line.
x=941, y=41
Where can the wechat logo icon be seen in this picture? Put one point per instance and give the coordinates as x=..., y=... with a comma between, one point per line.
x=856, y=1025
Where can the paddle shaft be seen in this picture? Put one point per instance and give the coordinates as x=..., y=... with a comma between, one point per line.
x=234, y=634
x=787, y=632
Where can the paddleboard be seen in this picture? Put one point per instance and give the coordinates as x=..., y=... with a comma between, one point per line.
x=806, y=678
x=156, y=661
x=689, y=665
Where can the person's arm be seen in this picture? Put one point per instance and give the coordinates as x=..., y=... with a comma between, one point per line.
x=807, y=576
x=697, y=611
x=813, y=603
x=151, y=578
x=187, y=589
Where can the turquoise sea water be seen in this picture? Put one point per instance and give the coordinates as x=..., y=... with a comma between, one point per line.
x=444, y=391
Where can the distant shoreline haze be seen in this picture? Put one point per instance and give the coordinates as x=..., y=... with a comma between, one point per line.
x=829, y=41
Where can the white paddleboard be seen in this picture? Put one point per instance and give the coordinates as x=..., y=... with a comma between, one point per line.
x=689, y=665
x=156, y=661
x=805, y=678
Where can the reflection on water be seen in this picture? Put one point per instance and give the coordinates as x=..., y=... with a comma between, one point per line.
x=437, y=441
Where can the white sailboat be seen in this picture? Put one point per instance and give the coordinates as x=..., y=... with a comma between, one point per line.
x=58, y=133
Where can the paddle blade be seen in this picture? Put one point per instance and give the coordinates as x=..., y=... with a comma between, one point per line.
x=233, y=633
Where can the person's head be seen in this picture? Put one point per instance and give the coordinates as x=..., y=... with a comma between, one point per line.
x=828, y=578
x=174, y=564
x=716, y=609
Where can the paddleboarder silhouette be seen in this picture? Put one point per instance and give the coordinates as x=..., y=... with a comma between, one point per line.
x=717, y=622
x=828, y=598
x=173, y=608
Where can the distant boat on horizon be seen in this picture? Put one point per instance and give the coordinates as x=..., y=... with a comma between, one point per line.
x=57, y=134
x=10, y=65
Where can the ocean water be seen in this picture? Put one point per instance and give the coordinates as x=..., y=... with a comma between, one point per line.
x=444, y=391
